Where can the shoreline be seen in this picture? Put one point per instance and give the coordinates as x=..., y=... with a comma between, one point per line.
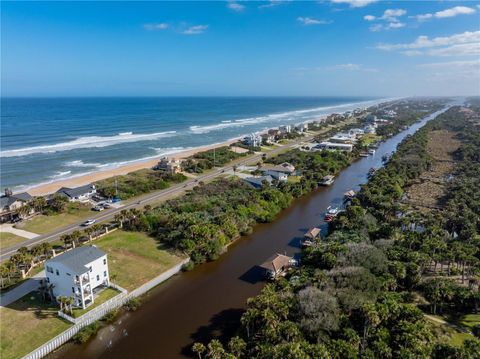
x=46, y=188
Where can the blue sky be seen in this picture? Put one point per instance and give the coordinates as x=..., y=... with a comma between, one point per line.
x=324, y=48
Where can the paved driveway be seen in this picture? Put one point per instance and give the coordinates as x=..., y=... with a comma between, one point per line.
x=21, y=290
x=8, y=227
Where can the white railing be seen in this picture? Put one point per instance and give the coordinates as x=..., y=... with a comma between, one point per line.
x=100, y=311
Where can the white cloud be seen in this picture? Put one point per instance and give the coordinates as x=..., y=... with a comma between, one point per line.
x=311, y=21
x=393, y=14
x=195, y=30
x=425, y=42
x=468, y=70
x=463, y=44
x=272, y=3
x=235, y=6
x=351, y=67
x=454, y=11
x=157, y=26
x=390, y=16
x=458, y=64
x=354, y=3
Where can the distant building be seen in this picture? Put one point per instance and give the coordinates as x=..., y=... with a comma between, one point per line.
x=303, y=127
x=268, y=139
x=171, y=166
x=253, y=140
x=369, y=129
x=285, y=129
x=78, y=273
x=357, y=132
x=78, y=194
x=330, y=146
x=260, y=181
x=343, y=138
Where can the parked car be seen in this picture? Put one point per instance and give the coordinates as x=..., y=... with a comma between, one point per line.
x=107, y=206
x=89, y=222
x=98, y=208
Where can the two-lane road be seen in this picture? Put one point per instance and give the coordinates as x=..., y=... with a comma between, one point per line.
x=143, y=200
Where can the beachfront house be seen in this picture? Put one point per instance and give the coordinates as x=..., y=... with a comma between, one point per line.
x=78, y=194
x=330, y=146
x=260, y=181
x=303, y=127
x=253, y=140
x=285, y=129
x=79, y=273
x=280, y=172
x=268, y=139
x=10, y=204
x=167, y=165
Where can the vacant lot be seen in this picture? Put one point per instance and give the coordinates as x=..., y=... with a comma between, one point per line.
x=27, y=324
x=9, y=239
x=41, y=224
x=430, y=187
x=134, y=258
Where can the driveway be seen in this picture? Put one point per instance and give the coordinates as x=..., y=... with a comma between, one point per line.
x=22, y=289
x=8, y=228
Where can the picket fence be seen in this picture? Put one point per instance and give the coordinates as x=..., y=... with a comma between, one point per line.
x=100, y=311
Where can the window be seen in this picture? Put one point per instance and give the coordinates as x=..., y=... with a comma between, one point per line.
x=104, y=261
x=69, y=274
x=49, y=269
x=90, y=269
x=58, y=273
x=48, y=280
x=105, y=274
x=98, y=276
x=73, y=289
x=77, y=278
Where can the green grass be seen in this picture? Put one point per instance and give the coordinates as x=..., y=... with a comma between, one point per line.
x=369, y=139
x=135, y=258
x=41, y=224
x=294, y=179
x=452, y=334
x=26, y=324
x=470, y=320
x=9, y=239
x=101, y=298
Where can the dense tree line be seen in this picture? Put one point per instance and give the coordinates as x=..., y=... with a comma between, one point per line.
x=206, y=160
x=354, y=295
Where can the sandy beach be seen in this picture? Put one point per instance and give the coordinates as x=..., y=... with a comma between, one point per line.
x=47, y=188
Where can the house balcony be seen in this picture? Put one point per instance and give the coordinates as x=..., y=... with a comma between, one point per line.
x=84, y=278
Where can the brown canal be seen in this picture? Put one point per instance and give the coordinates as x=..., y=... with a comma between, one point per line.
x=207, y=302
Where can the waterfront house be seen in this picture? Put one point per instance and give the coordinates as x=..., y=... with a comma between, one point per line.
x=273, y=132
x=78, y=194
x=253, y=140
x=166, y=165
x=10, y=204
x=343, y=137
x=356, y=132
x=280, y=172
x=278, y=265
x=285, y=129
x=303, y=127
x=370, y=129
x=259, y=181
x=330, y=146
x=79, y=273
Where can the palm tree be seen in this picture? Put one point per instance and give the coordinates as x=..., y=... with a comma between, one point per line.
x=67, y=240
x=215, y=349
x=234, y=169
x=199, y=349
x=89, y=231
x=76, y=235
x=119, y=218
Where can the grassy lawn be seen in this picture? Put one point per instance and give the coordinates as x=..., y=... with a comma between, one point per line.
x=449, y=334
x=9, y=239
x=43, y=224
x=27, y=324
x=369, y=139
x=470, y=320
x=135, y=258
x=102, y=297
x=294, y=179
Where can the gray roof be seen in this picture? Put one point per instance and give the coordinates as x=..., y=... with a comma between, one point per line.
x=259, y=180
x=77, y=258
x=75, y=192
x=9, y=200
x=23, y=196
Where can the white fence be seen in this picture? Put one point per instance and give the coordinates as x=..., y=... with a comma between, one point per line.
x=98, y=312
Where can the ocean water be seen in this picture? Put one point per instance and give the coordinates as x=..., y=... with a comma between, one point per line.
x=43, y=140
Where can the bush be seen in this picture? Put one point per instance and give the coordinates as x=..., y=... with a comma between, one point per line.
x=110, y=316
x=133, y=304
x=188, y=266
x=86, y=333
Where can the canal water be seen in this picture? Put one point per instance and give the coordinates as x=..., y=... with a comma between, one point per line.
x=208, y=301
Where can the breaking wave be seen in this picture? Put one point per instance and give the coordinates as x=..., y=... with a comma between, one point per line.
x=87, y=142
